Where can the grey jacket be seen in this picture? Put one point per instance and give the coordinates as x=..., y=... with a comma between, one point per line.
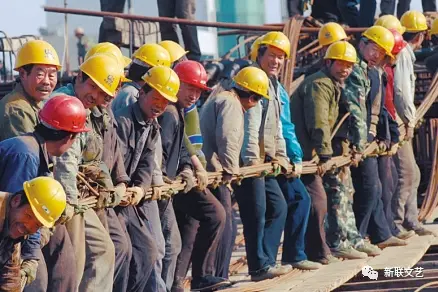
x=263, y=131
x=138, y=140
x=222, y=130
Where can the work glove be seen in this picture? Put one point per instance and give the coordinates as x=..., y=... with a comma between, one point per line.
x=356, y=157
x=322, y=165
x=297, y=170
x=85, y=203
x=202, y=177
x=137, y=194
x=46, y=233
x=382, y=147
x=227, y=178
x=409, y=133
x=393, y=149
x=167, y=180
x=68, y=213
x=187, y=176
x=117, y=195
x=29, y=269
x=276, y=168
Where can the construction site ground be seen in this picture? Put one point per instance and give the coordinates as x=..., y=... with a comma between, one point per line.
x=347, y=274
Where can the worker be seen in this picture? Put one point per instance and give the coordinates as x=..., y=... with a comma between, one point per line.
x=83, y=44
x=222, y=128
x=39, y=202
x=375, y=44
x=109, y=6
x=160, y=86
x=197, y=203
x=61, y=119
x=328, y=34
x=96, y=85
x=255, y=49
x=146, y=57
x=326, y=11
x=183, y=10
x=325, y=86
x=37, y=63
x=176, y=52
x=405, y=199
x=260, y=199
x=403, y=6
x=390, y=22
x=297, y=7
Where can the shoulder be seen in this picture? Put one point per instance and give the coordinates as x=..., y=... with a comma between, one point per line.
x=21, y=146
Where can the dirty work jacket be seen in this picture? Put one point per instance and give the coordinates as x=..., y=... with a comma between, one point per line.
x=7, y=244
x=293, y=147
x=404, y=86
x=112, y=153
x=175, y=154
x=23, y=158
x=138, y=139
x=263, y=131
x=127, y=95
x=18, y=113
x=314, y=108
x=222, y=130
x=87, y=148
x=353, y=101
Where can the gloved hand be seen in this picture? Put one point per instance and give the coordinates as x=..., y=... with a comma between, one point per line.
x=118, y=195
x=409, y=133
x=85, y=204
x=29, y=270
x=46, y=233
x=167, y=180
x=322, y=165
x=227, y=178
x=393, y=149
x=382, y=147
x=356, y=158
x=298, y=169
x=276, y=168
x=202, y=177
x=137, y=194
x=187, y=176
x=68, y=213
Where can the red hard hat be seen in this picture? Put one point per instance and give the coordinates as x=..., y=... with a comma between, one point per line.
x=64, y=112
x=399, y=42
x=193, y=73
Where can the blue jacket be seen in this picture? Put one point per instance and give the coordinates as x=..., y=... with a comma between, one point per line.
x=293, y=147
x=23, y=158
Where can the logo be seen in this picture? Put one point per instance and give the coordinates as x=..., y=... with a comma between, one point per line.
x=328, y=35
x=45, y=209
x=368, y=271
x=48, y=54
x=109, y=80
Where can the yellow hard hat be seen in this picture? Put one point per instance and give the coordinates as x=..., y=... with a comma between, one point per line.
x=47, y=199
x=414, y=21
x=255, y=48
x=37, y=52
x=164, y=80
x=153, y=55
x=277, y=39
x=104, y=70
x=434, y=28
x=175, y=51
x=341, y=50
x=254, y=80
x=390, y=22
x=329, y=33
x=382, y=37
x=110, y=49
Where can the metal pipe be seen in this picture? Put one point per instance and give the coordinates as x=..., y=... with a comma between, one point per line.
x=162, y=19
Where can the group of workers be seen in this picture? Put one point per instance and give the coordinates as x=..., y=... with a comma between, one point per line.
x=84, y=167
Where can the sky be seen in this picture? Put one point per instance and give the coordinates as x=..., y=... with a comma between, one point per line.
x=32, y=16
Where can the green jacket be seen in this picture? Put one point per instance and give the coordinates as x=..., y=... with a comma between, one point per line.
x=19, y=112
x=315, y=109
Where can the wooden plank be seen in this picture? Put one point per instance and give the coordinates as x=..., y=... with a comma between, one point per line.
x=402, y=256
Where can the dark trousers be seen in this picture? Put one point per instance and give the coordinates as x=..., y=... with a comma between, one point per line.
x=367, y=12
x=226, y=243
x=387, y=7
x=367, y=202
x=316, y=246
x=298, y=209
x=326, y=11
x=109, y=6
x=57, y=265
x=144, y=249
x=122, y=244
x=294, y=7
x=205, y=208
x=263, y=211
x=349, y=12
x=180, y=9
x=404, y=5
x=389, y=179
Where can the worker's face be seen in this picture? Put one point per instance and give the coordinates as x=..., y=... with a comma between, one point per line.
x=152, y=104
x=272, y=61
x=250, y=102
x=40, y=82
x=89, y=93
x=105, y=100
x=22, y=221
x=372, y=53
x=339, y=69
x=188, y=95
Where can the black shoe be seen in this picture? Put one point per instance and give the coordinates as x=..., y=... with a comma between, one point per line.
x=209, y=283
